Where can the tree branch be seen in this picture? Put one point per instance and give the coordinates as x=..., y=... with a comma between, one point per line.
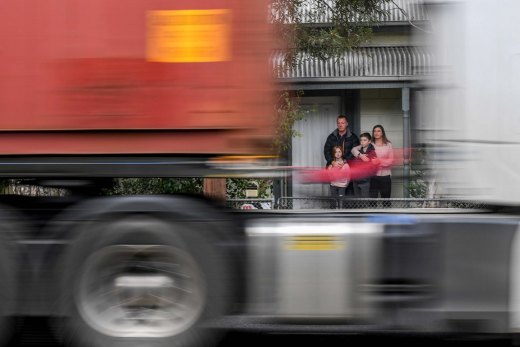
x=408, y=18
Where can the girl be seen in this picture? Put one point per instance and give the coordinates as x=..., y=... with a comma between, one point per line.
x=338, y=186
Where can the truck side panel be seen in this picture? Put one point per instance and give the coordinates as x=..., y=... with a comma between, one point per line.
x=97, y=77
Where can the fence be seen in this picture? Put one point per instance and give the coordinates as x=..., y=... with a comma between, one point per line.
x=292, y=203
x=21, y=188
x=330, y=203
x=251, y=204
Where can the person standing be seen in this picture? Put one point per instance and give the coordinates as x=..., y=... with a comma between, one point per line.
x=364, y=166
x=340, y=171
x=344, y=138
x=381, y=183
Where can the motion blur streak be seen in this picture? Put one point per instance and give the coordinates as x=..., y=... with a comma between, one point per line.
x=468, y=112
x=357, y=171
x=94, y=90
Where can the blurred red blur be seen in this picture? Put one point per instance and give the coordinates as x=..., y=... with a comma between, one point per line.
x=357, y=171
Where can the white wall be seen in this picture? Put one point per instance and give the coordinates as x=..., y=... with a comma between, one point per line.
x=307, y=149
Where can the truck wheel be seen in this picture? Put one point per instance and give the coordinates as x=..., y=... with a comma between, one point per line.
x=143, y=282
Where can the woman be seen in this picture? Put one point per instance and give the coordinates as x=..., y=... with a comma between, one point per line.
x=381, y=183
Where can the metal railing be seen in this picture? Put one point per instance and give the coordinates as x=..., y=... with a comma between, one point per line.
x=251, y=204
x=298, y=203
x=332, y=203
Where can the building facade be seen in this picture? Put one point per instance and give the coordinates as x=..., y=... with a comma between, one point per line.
x=372, y=84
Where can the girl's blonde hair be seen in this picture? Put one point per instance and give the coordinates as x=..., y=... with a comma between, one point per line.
x=334, y=151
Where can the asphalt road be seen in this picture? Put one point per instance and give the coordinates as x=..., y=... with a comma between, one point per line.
x=36, y=332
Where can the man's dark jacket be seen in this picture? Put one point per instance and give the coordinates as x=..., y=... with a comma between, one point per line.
x=347, y=141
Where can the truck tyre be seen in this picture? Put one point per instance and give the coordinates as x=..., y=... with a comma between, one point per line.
x=143, y=281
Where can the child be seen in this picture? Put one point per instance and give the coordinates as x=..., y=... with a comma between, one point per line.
x=339, y=185
x=365, y=165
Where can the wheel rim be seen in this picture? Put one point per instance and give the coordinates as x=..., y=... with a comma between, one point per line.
x=140, y=291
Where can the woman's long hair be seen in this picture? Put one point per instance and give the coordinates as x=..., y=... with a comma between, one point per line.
x=384, y=138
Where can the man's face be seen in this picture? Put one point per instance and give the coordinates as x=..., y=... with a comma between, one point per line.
x=342, y=124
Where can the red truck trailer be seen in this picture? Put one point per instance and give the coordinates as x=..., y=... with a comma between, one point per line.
x=142, y=77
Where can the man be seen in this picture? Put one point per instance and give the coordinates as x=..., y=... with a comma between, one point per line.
x=343, y=137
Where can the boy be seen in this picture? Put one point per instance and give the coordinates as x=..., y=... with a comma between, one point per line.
x=363, y=166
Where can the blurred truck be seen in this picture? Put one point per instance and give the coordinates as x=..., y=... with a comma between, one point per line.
x=110, y=88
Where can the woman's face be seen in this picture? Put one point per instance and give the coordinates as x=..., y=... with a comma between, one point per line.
x=378, y=133
x=337, y=153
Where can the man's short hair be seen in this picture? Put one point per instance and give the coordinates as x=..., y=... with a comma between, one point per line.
x=344, y=117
